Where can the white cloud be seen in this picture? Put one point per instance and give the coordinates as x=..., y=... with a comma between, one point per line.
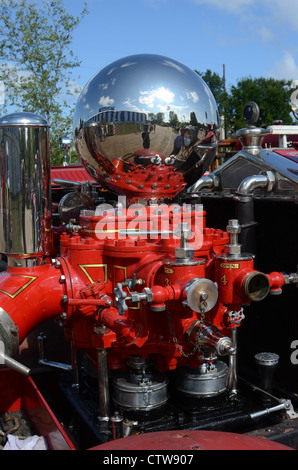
x=161, y=94
x=103, y=86
x=265, y=34
x=106, y=101
x=285, y=68
x=128, y=64
x=164, y=108
x=233, y=6
x=192, y=95
x=111, y=70
x=283, y=12
x=273, y=12
x=130, y=105
x=170, y=63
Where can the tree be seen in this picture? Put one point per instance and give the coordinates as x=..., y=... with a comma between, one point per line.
x=37, y=60
x=193, y=119
x=272, y=97
x=173, y=119
x=160, y=118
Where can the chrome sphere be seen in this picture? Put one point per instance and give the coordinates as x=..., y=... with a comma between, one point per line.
x=146, y=126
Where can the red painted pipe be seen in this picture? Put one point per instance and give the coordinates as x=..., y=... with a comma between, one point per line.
x=123, y=326
x=29, y=296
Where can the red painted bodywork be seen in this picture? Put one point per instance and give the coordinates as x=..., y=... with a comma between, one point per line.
x=191, y=441
x=75, y=173
x=19, y=393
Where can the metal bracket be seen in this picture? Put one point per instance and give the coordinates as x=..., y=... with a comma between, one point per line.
x=289, y=408
x=284, y=404
x=43, y=361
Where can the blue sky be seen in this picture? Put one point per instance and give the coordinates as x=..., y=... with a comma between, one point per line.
x=251, y=37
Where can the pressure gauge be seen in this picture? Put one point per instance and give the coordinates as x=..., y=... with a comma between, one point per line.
x=251, y=113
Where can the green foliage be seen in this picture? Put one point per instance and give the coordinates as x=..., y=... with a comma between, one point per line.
x=37, y=61
x=193, y=119
x=57, y=156
x=272, y=97
x=173, y=119
x=160, y=118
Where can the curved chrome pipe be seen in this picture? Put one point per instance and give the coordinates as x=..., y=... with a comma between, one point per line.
x=208, y=181
x=249, y=184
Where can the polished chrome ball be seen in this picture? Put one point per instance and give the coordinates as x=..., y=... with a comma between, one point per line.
x=146, y=126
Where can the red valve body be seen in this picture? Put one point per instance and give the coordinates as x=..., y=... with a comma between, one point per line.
x=79, y=288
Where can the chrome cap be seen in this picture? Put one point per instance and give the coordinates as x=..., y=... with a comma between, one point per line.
x=23, y=119
x=146, y=126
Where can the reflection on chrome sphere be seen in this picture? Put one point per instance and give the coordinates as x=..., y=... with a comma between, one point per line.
x=146, y=126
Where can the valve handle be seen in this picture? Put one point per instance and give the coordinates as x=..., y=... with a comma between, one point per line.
x=120, y=299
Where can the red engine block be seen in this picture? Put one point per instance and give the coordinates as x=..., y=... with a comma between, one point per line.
x=130, y=284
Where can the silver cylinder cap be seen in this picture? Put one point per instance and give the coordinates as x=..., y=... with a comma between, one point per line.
x=267, y=358
x=23, y=119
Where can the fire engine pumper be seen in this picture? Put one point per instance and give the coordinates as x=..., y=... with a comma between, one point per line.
x=149, y=297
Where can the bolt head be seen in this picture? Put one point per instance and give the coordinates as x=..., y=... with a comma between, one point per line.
x=233, y=226
x=232, y=249
x=183, y=253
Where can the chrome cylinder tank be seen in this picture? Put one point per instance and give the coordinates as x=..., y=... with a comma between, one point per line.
x=25, y=195
x=208, y=380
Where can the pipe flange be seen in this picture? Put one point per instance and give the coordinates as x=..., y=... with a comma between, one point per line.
x=8, y=334
x=271, y=179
